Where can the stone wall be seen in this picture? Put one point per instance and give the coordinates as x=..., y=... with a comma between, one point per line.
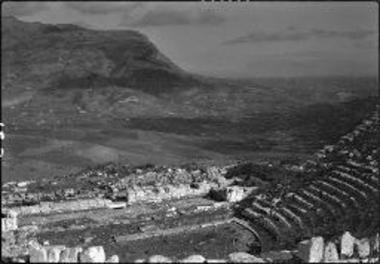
x=137, y=194
x=159, y=193
x=153, y=185
x=56, y=207
x=133, y=195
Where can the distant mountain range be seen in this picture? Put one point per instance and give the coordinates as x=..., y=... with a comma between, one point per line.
x=65, y=74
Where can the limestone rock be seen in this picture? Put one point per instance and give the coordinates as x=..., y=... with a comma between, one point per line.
x=347, y=245
x=276, y=256
x=194, y=259
x=113, y=259
x=54, y=253
x=37, y=253
x=93, y=255
x=70, y=255
x=363, y=247
x=331, y=253
x=159, y=259
x=18, y=260
x=311, y=250
x=243, y=257
x=8, y=224
x=116, y=205
x=235, y=194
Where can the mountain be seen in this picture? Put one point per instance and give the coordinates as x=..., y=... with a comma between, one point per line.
x=65, y=56
x=63, y=74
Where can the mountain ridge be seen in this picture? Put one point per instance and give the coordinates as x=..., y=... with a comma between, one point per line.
x=63, y=74
x=121, y=57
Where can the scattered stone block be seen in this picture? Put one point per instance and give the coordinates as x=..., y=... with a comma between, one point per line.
x=8, y=224
x=231, y=194
x=194, y=259
x=276, y=256
x=113, y=259
x=22, y=184
x=117, y=205
x=18, y=260
x=139, y=261
x=363, y=247
x=347, y=245
x=70, y=255
x=93, y=255
x=68, y=192
x=244, y=257
x=311, y=250
x=37, y=253
x=235, y=194
x=331, y=252
x=53, y=253
x=159, y=259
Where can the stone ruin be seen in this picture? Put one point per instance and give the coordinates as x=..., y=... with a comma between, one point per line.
x=345, y=249
x=123, y=192
x=53, y=254
x=8, y=220
x=339, y=193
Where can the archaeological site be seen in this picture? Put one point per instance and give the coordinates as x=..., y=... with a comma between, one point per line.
x=327, y=213
x=199, y=132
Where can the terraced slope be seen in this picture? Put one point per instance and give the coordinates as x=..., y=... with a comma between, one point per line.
x=340, y=194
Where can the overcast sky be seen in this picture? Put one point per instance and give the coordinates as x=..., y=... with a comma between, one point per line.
x=248, y=39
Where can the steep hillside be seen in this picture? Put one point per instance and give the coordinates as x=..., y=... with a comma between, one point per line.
x=70, y=57
x=63, y=74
